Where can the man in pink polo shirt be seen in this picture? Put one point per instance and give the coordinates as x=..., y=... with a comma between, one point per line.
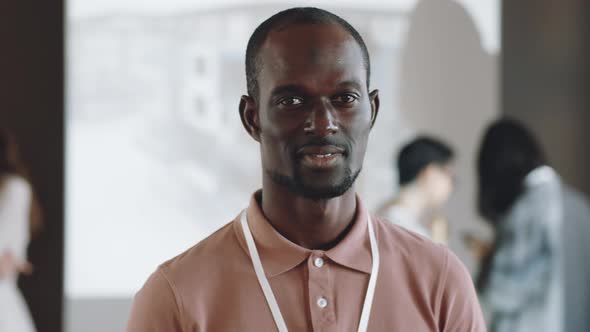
x=306, y=255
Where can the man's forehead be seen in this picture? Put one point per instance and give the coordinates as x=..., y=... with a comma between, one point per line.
x=309, y=49
x=307, y=39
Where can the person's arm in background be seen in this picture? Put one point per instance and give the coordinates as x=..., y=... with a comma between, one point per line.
x=15, y=205
x=9, y=266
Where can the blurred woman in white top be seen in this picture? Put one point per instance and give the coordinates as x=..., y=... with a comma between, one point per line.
x=425, y=185
x=19, y=217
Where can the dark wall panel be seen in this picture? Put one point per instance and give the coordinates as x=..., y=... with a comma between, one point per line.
x=545, y=79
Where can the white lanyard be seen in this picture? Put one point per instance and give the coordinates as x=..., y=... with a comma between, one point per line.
x=270, y=298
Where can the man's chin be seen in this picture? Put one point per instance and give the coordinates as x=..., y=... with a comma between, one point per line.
x=311, y=189
x=323, y=193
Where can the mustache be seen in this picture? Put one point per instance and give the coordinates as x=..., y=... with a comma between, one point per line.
x=324, y=141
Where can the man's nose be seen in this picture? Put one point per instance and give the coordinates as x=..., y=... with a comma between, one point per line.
x=321, y=121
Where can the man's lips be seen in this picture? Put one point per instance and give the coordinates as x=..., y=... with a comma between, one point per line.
x=320, y=150
x=320, y=156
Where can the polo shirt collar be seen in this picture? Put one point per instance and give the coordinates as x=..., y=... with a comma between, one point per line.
x=279, y=255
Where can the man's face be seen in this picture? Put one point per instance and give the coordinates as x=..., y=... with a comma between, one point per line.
x=314, y=110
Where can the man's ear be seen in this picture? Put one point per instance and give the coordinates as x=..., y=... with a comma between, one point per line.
x=374, y=99
x=249, y=116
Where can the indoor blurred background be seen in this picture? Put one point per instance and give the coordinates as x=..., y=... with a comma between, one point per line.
x=115, y=103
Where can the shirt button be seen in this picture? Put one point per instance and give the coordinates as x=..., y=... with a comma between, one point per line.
x=318, y=262
x=322, y=302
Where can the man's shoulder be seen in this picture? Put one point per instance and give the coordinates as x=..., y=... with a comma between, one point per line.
x=401, y=241
x=195, y=273
x=434, y=271
x=207, y=256
x=415, y=254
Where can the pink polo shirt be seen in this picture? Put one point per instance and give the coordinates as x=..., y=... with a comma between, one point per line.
x=212, y=286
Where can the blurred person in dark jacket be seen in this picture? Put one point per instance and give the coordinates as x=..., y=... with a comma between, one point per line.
x=535, y=266
x=576, y=260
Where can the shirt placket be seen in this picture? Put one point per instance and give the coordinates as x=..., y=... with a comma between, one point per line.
x=321, y=294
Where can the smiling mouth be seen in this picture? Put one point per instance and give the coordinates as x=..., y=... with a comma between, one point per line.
x=321, y=157
x=327, y=155
x=322, y=160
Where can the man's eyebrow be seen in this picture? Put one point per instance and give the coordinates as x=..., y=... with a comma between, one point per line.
x=288, y=88
x=294, y=88
x=354, y=84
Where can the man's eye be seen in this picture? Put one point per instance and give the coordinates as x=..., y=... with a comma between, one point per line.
x=346, y=98
x=291, y=101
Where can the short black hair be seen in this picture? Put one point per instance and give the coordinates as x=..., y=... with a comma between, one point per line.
x=418, y=154
x=283, y=19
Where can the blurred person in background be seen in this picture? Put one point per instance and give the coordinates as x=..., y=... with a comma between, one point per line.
x=19, y=218
x=576, y=260
x=520, y=281
x=425, y=185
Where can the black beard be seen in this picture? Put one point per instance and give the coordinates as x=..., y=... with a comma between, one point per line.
x=295, y=185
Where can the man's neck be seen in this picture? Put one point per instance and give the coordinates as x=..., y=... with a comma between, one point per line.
x=312, y=224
